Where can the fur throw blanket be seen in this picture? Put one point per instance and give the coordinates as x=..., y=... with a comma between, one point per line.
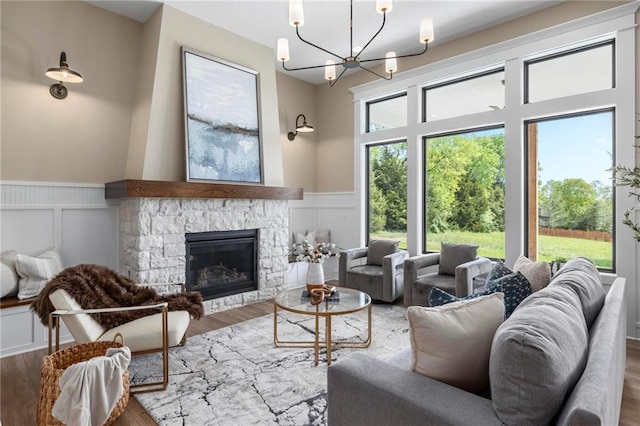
x=95, y=286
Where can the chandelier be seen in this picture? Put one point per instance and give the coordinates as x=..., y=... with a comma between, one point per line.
x=296, y=19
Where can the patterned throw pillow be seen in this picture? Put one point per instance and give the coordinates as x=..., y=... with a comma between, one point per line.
x=499, y=270
x=514, y=285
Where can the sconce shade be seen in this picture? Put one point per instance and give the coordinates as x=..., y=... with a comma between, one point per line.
x=304, y=127
x=63, y=73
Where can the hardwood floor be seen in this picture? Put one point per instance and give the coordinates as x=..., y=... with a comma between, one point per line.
x=20, y=376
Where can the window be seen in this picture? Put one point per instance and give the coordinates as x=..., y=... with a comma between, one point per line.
x=464, y=191
x=570, y=73
x=581, y=70
x=387, y=113
x=570, y=195
x=479, y=93
x=387, y=191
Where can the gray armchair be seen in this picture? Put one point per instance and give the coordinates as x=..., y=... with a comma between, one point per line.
x=376, y=270
x=418, y=282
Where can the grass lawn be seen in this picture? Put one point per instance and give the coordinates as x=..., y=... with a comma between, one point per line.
x=492, y=245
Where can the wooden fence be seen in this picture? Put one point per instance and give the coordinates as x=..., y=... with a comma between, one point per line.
x=575, y=233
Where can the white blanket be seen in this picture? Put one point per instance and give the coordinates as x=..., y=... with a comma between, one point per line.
x=89, y=390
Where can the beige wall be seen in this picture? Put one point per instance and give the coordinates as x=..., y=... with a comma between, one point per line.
x=83, y=138
x=126, y=120
x=111, y=127
x=164, y=149
x=298, y=156
x=335, y=110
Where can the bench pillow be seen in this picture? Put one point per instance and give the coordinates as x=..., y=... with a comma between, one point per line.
x=35, y=272
x=9, y=278
x=537, y=357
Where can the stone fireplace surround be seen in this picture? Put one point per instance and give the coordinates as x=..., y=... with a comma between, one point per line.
x=153, y=227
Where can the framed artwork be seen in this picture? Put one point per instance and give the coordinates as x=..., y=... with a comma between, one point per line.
x=222, y=120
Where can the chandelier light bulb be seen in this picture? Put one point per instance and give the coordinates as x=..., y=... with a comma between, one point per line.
x=383, y=6
x=296, y=15
x=283, y=49
x=391, y=64
x=330, y=70
x=426, y=30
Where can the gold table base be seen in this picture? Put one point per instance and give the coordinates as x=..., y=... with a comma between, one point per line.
x=316, y=344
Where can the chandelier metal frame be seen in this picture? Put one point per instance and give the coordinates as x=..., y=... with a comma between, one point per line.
x=354, y=61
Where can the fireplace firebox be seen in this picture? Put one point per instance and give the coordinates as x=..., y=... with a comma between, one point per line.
x=222, y=263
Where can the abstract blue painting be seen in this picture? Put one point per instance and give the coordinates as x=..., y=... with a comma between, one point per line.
x=222, y=120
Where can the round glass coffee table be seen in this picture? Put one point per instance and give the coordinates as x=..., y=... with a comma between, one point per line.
x=348, y=301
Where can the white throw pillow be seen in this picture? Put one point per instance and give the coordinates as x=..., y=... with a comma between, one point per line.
x=323, y=236
x=538, y=273
x=309, y=237
x=452, y=343
x=9, y=276
x=35, y=272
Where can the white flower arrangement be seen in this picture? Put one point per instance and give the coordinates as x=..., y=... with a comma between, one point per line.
x=306, y=252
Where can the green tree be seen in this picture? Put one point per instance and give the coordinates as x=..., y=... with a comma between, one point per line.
x=465, y=187
x=389, y=175
x=377, y=209
x=571, y=204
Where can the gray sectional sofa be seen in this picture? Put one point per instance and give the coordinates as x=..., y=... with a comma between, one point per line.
x=559, y=359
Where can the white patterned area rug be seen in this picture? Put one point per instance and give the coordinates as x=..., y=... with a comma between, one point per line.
x=236, y=376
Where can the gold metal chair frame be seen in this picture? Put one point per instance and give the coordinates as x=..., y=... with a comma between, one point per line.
x=316, y=344
x=54, y=322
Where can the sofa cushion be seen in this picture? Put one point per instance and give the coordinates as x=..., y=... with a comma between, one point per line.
x=452, y=343
x=454, y=255
x=537, y=357
x=538, y=273
x=515, y=287
x=583, y=278
x=9, y=277
x=377, y=249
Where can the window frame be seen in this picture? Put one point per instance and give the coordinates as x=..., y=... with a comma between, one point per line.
x=528, y=181
x=618, y=23
x=368, y=179
x=376, y=101
x=425, y=227
x=452, y=81
x=568, y=52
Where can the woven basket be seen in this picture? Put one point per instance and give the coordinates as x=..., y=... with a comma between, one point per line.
x=54, y=365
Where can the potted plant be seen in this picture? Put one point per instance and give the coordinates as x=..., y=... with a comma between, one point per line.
x=629, y=176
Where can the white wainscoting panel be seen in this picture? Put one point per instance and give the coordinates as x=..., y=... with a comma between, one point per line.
x=330, y=210
x=35, y=216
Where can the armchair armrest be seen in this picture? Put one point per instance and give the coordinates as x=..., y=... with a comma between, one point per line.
x=412, y=267
x=393, y=260
x=354, y=253
x=393, y=274
x=467, y=271
x=54, y=318
x=345, y=259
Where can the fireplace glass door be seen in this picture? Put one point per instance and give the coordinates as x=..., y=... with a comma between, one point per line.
x=222, y=263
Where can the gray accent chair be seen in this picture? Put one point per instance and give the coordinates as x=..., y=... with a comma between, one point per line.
x=382, y=282
x=418, y=281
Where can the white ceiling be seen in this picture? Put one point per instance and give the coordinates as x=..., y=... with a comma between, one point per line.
x=327, y=23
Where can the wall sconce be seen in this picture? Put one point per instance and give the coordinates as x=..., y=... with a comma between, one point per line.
x=305, y=128
x=62, y=74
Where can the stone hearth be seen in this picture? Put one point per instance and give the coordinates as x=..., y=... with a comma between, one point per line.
x=152, y=239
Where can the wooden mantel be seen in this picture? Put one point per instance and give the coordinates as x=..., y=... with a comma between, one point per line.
x=131, y=188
